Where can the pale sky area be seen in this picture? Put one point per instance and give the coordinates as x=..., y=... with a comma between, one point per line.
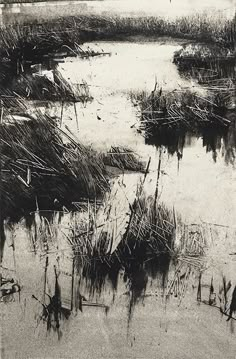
x=167, y=7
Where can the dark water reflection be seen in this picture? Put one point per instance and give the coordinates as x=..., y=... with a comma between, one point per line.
x=72, y=282
x=219, y=142
x=208, y=64
x=58, y=281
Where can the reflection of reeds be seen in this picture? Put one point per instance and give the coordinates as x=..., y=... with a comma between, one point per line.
x=152, y=242
x=146, y=249
x=53, y=312
x=211, y=65
x=145, y=246
x=224, y=299
x=171, y=119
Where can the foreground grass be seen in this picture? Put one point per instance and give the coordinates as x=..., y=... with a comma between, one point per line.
x=155, y=247
x=38, y=166
x=146, y=248
x=43, y=167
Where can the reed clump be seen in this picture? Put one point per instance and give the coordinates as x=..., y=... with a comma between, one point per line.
x=43, y=167
x=30, y=42
x=151, y=241
x=24, y=45
x=42, y=88
x=183, y=110
x=124, y=159
x=145, y=247
x=39, y=168
x=211, y=65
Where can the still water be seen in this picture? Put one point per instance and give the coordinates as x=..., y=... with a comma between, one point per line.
x=201, y=188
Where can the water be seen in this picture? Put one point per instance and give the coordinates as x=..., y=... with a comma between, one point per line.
x=201, y=188
x=154, y=321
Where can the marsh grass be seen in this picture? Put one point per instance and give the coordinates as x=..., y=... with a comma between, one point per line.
x=24, y=45
x=182, y=110
x=172, y=119
x=36, y=163
x=43, y=166
x=188, y=261
x=40, y=87
x=144, y=250
x=32, y=42
x=211, y=65
x=153, y=242
x=11, y=104
x=124, y=159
